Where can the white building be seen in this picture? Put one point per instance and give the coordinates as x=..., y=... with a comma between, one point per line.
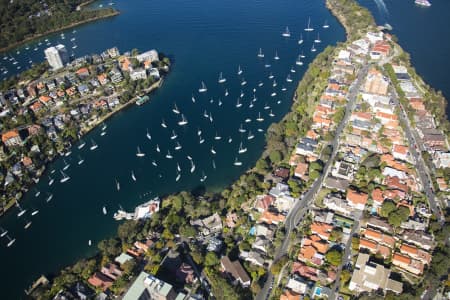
x=137, y=74
x=57, y=56
x=151, y=55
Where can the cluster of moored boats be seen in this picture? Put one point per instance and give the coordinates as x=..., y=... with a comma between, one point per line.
x=208, y=103
x=10, y=61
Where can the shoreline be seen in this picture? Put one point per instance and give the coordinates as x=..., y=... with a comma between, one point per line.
x=31, y=38
x=83, y=132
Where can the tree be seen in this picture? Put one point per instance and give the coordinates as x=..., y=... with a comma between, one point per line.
x=345, y=276
x=110, y=247
x=262, y=165
x=129, y=266
x=211, y=259
x=387, y=208
x=275, y=156
x=276, y=267
x=334, y=257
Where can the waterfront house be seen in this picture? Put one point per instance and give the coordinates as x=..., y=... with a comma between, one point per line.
x=151, y=55
x=101, y=281
x=11, y=138
x=111, y=270
x=235, y=271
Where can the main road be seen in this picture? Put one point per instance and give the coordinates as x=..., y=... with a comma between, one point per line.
x=422, y=169
x=297, y=213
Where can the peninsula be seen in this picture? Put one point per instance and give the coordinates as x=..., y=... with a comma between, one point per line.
x=44, y=111
x=346, y=201
x=23, y=21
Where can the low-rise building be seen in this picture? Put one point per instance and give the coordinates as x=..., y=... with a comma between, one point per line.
x=369, y=277
x=235, y=271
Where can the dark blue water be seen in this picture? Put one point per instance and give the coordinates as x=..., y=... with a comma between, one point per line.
x=423, y=32
x=203, y=38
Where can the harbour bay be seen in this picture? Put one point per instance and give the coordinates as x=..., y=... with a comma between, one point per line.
x=202, y=39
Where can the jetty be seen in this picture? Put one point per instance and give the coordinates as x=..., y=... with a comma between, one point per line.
x=142, y=211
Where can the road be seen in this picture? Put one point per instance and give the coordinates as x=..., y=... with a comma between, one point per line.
x=297, y=213
x=422, y=169
x=347, y=256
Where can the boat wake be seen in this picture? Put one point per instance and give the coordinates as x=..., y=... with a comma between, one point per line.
x=382, y=8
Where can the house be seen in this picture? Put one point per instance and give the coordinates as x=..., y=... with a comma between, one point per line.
x=36, y=106
x=377, y=197
x=301, y=171
x=11, y=138
x=123, y=258
x=381, y=49
x=407, y=263
x=138, y=73
x=280, y=189
x=82, y=73
x=336, y=183
x=374, y=247
x=102, y=79
x=400, y=152
x=323, y=230
x=441, y=159
x=111, y=270
x=209, y=225
x=343, y=169
x=263, y=202
x=27, y=162
x=261, y=244
x=379, y=224
x=378, y=236
x=306, y=147
x=376, y=83
x=369, y=277
x=305, y=271
x=356, y=199
x=231, y=220
x=100, y=280
x=337, y=204
x=284, y=203
x=214, y=245
x=147, y=286
x=252, y=257
x=416, y=253
x=264, y=230
x=391, y=172
x=235, y=271
x=269, y=217
x=289, y=295
x=297, y=284
x=419, y=238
